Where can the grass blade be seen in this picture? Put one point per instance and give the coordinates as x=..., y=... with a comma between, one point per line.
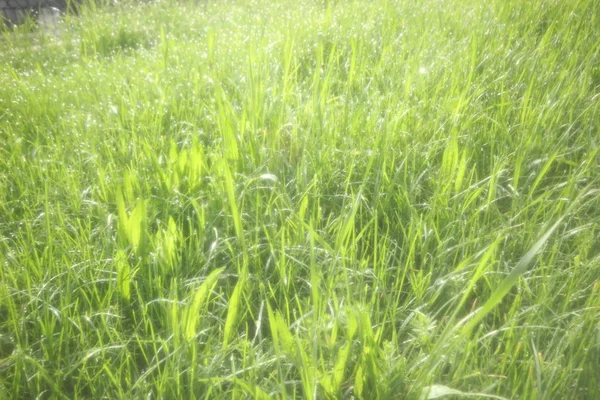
x=233, y=310
x=192, y=311
x=512, y=278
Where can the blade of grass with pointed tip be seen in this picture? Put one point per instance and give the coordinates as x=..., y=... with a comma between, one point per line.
x=512, y=278
x=285, y=336
x=123, y=217
x=235, y=213
x=135, y=222
x=192, y=316
x=233, y=310
x=137, y=228
x=124, y=275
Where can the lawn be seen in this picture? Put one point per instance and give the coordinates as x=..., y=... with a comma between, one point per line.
x=312, y=199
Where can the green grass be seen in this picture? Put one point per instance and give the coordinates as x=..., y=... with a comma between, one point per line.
x=302, y=200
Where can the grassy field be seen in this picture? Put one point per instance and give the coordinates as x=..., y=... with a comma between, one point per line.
x=370, y=199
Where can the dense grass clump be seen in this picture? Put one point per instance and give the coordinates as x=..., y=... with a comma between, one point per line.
x=302, y=200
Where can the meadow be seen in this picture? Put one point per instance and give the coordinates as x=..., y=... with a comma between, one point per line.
x=364, y=199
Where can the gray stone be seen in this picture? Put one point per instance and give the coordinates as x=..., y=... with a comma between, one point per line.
x=15, y=11
x=11, y=14
x=49, y=17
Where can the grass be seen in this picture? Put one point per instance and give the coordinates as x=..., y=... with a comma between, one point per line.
x=302, y=200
